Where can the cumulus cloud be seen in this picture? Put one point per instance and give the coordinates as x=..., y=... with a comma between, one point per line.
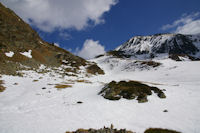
x=90, y=49
x=190, y=28
x=49, y=15
x=187, y=24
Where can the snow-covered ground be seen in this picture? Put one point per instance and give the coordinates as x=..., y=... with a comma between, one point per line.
x=27, y=108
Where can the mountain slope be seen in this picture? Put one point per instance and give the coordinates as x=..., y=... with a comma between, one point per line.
x=21, y=46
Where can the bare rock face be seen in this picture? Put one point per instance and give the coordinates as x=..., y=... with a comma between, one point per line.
x=18, y=37
x=129, y=90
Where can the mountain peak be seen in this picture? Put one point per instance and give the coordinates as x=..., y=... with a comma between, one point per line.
x=160, y=44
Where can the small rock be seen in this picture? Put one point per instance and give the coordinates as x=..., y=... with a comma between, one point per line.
x=165, y=110
x=15, y=84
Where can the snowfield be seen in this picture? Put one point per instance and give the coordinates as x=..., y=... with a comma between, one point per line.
x=27, y=108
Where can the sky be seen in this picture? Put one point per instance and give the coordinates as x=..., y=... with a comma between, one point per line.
x=88, y=28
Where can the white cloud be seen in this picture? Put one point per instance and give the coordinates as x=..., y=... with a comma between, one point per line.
x=48, y=15
x=187, y=24
x=190, y=28
x=90, y=49
x=65, y=35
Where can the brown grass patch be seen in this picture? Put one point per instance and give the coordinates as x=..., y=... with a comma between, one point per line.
x=2, y=88
x=62, y=86
x=38, y=56
x=83, y=81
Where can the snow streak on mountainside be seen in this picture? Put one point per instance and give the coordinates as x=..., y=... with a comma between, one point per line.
x=154, y=45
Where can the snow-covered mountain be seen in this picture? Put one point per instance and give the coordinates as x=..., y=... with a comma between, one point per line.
x=155, y=45
x=143, y=52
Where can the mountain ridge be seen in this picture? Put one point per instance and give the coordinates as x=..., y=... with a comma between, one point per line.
x=153, y=45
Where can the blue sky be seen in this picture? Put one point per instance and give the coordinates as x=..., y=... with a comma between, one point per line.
x=119, y=21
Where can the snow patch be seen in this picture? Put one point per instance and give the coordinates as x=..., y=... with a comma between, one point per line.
x=10, y=54
x=184, y=58
x=27, y=54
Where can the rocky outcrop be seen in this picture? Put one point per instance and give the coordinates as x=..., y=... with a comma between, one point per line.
x=129, y=90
